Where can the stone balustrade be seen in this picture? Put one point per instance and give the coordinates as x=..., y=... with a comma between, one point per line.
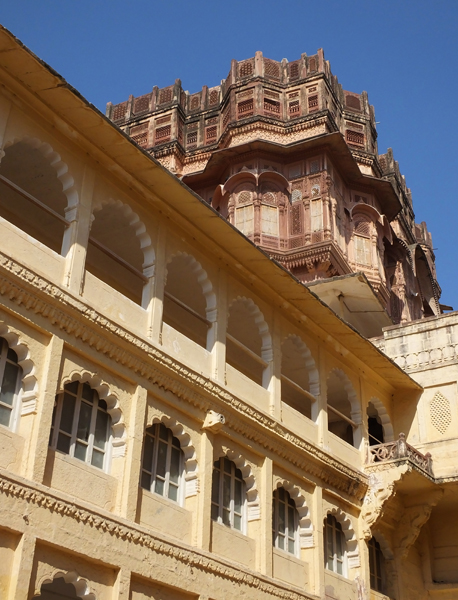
x=400, y=450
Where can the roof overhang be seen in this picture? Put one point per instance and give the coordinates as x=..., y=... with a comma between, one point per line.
x=354, y=300
x=45, y=91
x=332, y=143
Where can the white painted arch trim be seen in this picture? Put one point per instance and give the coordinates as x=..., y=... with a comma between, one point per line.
x=309, y=362
x=388, y=431
x=252, y=494
x=134, y=222
x=353, y=556
x=306, y=537
x=203, y=280
x=255, y=313
x=81, y=585
x=29, y=391
x=118, y=426
x=56, y=162
x=192, y=482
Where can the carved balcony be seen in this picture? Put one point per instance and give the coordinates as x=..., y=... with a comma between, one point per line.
x=400, y=451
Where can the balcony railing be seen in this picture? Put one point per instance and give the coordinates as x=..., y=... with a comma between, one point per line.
x=400, y=450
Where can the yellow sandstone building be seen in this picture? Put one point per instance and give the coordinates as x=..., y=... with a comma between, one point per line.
x=180, y=417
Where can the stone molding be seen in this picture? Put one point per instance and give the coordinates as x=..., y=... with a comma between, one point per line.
x=108, y=524
x=91, y=327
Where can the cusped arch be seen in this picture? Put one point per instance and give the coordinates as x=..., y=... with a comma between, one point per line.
x=133, y=221
x=80, y=584
x=275, y=177
x=187, y=447
x=305, y=521
x=252, y=494
x=55, y=161
x=366, y=210
x=202, y=279
x=240, y=177
x=351, y=393
x=29, y=381
x=261, y=324
x=118, y=426
x=388, y=432
x=309, y=361
x=353, y=555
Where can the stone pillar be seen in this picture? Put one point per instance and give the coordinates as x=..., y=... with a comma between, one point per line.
x=202, y=523
x=220, y=329
x=275, y=383
x=157, y=284
x=5, y=106
x=21, y=572
x=76, y=236
x=121, y=588
x=128, y=489
x=265, y=542
x=36, y=449
x=319, y=408
x=316, y=583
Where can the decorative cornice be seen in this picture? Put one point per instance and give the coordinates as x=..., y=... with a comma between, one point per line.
x=72, y=315
x=135, y=534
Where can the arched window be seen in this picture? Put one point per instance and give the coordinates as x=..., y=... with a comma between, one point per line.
x=340, y=420
x=285, y=521
x=247, y=349
x=31, y=195
x=81, y=425
x=57, y=589
x=10, y=378
x=376, y=566
x=228, y=494
x=185, y=305
x=162, y=463
x=334, y=546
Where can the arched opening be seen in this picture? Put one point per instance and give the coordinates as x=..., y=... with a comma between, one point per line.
x=58, y=589
x=31, y=194
x=162, y=463
x=335, y=551
x=188, y=299
x=285, y=522
x=374, y=426
x=81, y=425
x=10, y=384
x=340, y=419
x=298, y=376
x=228, y=505
x=115, y=251
x=377, y=567
x=248, y=347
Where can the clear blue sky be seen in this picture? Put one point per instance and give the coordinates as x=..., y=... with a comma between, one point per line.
x=402, y=52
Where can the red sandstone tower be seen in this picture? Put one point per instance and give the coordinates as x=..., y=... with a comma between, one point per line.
x=286, y=155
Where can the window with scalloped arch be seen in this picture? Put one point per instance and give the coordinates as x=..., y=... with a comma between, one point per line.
x=10, y=385
x=340, y=400
x=65, y=586
x=335, y=547
x=31, y=194
x=285, y=522
x=81, y=425
x=189, y=301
